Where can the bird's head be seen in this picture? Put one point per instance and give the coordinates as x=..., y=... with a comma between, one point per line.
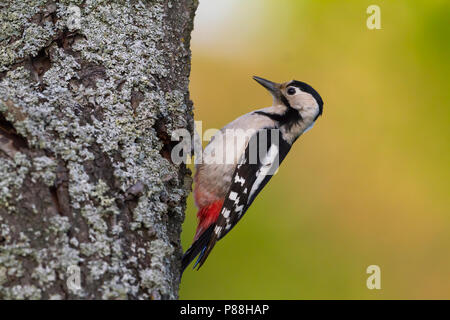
x=296, y=95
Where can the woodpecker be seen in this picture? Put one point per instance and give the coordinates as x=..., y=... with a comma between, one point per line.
x=250, y=150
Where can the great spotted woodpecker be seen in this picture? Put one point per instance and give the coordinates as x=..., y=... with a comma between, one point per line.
x=242, y=157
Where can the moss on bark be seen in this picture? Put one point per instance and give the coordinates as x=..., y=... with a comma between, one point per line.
x=87, y=90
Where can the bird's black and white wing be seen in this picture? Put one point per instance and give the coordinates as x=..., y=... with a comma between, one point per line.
x=263, y=154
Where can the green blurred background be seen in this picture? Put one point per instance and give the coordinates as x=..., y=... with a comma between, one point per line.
x=369, y=184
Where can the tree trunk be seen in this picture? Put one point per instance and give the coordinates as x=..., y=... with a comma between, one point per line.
x=91, y=204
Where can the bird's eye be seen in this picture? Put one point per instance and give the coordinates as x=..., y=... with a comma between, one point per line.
x=291, y=91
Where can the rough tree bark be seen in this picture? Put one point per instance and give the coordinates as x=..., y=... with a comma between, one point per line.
x=90, y=92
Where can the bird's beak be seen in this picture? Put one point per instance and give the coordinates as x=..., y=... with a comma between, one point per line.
x=273, y=87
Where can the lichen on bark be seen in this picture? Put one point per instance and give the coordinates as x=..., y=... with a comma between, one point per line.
x=90, y=92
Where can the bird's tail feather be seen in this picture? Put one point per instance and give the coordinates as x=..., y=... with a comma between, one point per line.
x=198, y=247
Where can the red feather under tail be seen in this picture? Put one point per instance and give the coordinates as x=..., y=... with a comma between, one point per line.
x=207, y=216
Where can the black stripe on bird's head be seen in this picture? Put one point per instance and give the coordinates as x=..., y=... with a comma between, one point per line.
x=308, y=89
x=288, y=94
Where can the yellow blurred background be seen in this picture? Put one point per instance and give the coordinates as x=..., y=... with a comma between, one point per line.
x=369, y=184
